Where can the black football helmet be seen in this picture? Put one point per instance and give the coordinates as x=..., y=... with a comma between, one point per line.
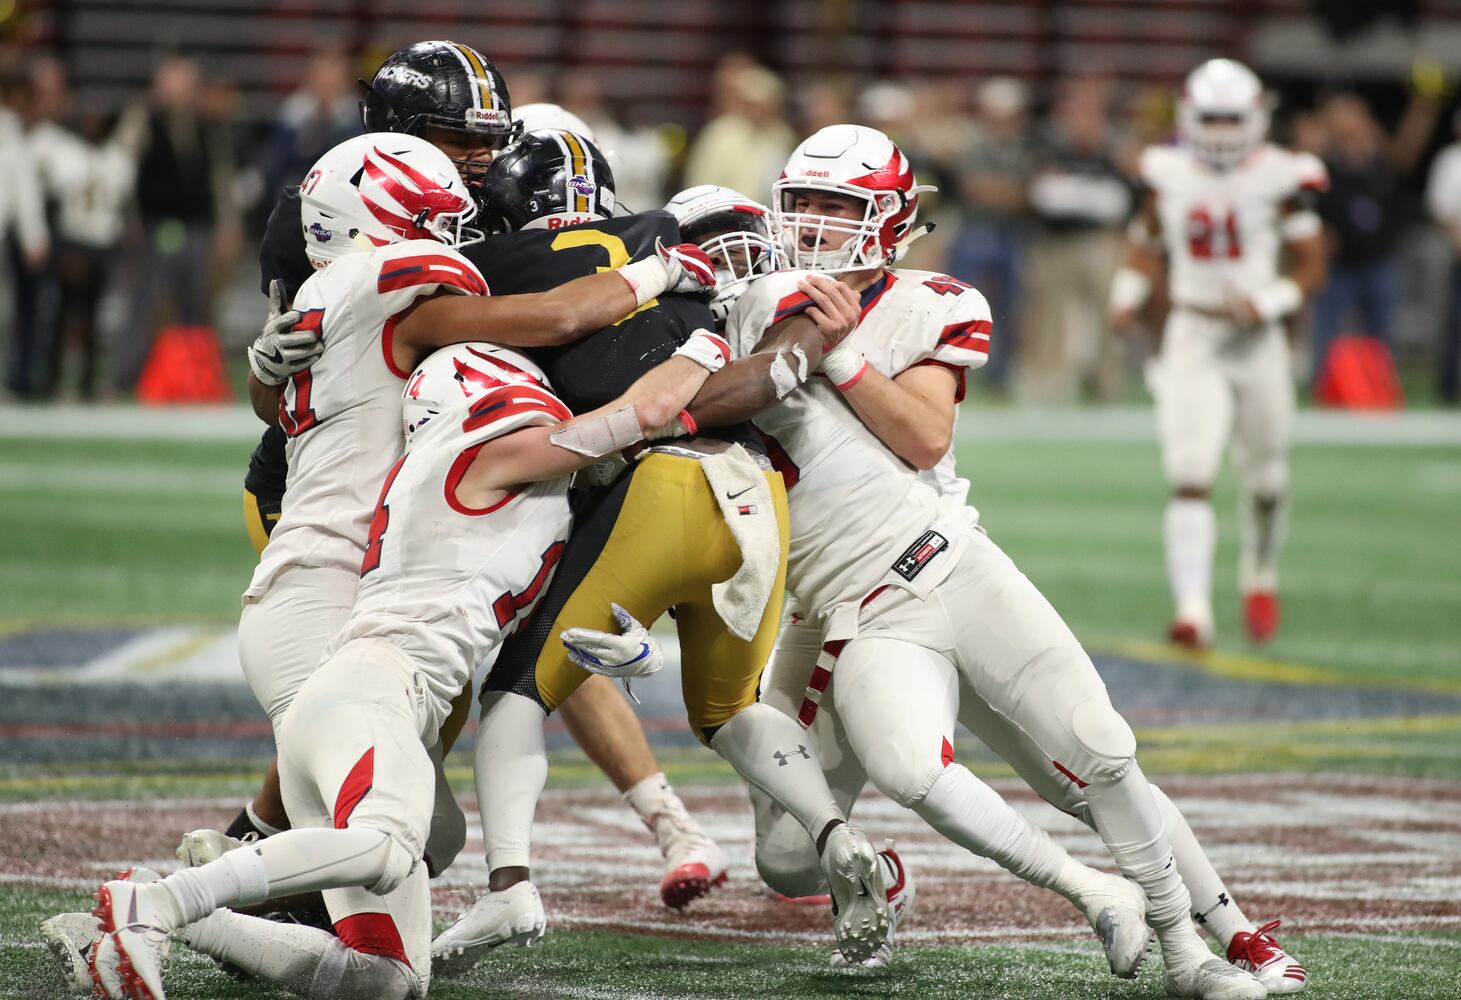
x=548, y=174
x=443, y=85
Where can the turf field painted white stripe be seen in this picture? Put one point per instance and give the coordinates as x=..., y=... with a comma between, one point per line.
x=1129, y=425
x=113, y=479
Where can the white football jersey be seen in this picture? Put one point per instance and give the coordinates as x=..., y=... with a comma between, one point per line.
x=343, y=414
x=446, y=582
x=860, y=516
x=1221, y=229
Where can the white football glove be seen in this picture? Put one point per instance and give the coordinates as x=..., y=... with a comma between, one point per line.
x=279, y=350
x=689, y=268
x=633, y=652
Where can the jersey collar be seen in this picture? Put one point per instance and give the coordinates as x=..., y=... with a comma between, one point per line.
x=872, y=293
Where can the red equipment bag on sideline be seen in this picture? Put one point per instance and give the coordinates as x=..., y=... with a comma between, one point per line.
x=185, y=367
x=1359, y=374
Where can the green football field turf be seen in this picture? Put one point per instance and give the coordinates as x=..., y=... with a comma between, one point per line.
x=129, y=532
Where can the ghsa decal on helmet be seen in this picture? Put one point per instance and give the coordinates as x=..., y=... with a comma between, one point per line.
x=548, y=179
x=736, y=232
x=856, y=162
x=1223, y=112
x=382, y=188
x=448, y=381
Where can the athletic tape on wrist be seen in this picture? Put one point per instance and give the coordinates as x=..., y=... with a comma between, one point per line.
x=844, y=365
x=1278, y=299
x=1129, y=289
x=596, y=437
x=708, y=350
x=647, y=279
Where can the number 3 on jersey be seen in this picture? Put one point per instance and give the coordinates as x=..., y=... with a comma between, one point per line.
x=380, y=522
x=1207, y=237
x=613, y=246
x=296, y=415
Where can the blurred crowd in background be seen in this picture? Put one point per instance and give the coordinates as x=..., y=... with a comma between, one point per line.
x=115, y=227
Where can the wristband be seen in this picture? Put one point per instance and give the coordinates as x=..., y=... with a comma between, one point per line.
x=1278, y=299
x=844, y=365
x=647, y=279
x=1129, y=290
x=708, y=350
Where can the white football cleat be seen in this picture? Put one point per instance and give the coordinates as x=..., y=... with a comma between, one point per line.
x=199, y=847
x=860, y=918
x=106, y=977
x=513, y=916
x=1261, y=955
x=140, y=937
x=1116, y=908
x=1210, y=978
x=70, y=939
x=901, y=893
x=694, y=864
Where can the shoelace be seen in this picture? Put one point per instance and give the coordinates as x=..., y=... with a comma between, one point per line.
x=1262, y=948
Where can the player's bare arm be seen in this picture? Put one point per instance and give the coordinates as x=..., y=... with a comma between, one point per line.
x=785, y=357
x=552, y=318
x=1142, y=269
x=531, y=454
x=912, y=413
x=1305, y=269
x=265, y=400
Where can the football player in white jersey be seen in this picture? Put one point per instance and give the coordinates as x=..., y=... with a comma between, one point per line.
x=913, y=600
x=469, y=525
x=1232, y=216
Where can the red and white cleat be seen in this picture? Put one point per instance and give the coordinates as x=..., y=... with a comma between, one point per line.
x=1260, y=614
x=694, y=862
x=138, y=945
x=1188, y=635
x=901, y=893
x=1261, y=955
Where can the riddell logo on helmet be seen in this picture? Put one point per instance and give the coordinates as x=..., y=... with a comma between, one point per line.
x=486, y=116
x=559, y=221
x=816, y=173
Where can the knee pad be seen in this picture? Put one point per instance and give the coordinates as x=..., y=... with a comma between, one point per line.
x=786, y=859
x=345, y=972
x=398, y=863
x=1104, y=739
x=902, y=772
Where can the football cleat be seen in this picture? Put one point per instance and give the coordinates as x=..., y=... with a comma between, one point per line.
x=139, y=942
x=199, y=847
x=71, y=938
x=693, y=861
x=860, y=917
x=1189, y=635
x=1210, y=978
x=1116, y=908
x=1261, y=955
x=106, y=977
x=1260, y=614
x=513, y=916
x=901, y=894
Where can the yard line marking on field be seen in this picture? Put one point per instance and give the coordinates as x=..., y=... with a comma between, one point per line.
x=1252, y=668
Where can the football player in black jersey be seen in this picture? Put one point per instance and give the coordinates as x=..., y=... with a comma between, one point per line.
x=696, y=525
x=455, y=98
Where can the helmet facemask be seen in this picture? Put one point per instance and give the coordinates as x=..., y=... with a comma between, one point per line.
x=859, y=243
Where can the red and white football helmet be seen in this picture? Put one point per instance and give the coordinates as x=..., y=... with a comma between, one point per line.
x=847, y=160
x=379, y=188
x=449, y=380
x=1223, y=113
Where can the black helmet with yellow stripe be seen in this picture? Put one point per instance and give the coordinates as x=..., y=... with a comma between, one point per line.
x=548, y=179
x=444, y=85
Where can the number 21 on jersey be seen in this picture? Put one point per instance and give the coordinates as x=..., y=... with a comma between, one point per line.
x=1212, y=232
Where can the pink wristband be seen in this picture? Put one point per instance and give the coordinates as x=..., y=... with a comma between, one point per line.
x=856, y=378
x=691, y=427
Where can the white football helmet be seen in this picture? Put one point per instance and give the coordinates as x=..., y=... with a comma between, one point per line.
x=535, y=117
x=849, y=160
x=735, y=231
x=379, y=188
x=1223, y=113
x=449, y=380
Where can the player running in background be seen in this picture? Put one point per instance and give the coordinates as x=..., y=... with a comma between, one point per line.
x=466, y=111
x=468, y=527
x=1232, y=216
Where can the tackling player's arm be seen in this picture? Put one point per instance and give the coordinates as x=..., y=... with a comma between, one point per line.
x=265, y=400
x=539, y=453
x=912, y=413
x=548, y=319
x=785, y=357
x=1138, y=275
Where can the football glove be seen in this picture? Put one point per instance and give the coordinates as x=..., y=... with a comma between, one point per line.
x=688, y=267
x=633, y=652
x=279, y=350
